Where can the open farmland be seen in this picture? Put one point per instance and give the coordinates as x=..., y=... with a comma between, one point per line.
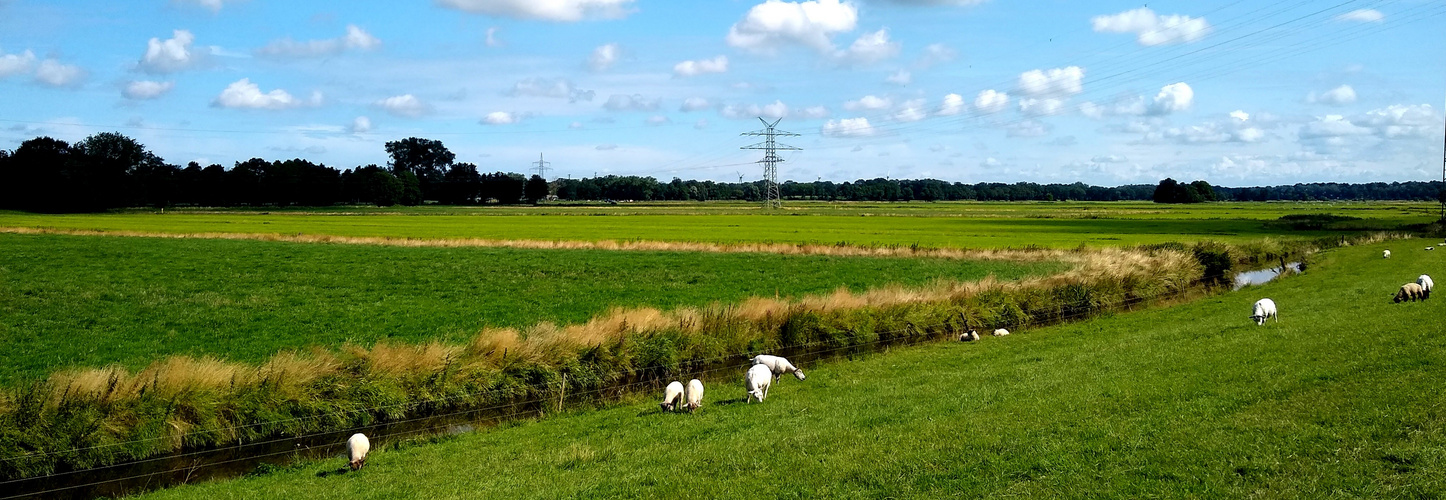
x=1186, y=402
x=76, y=301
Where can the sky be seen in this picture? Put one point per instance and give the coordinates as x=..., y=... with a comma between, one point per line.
x=1237, y=93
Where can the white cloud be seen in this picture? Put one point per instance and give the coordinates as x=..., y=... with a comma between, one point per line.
x=990, y=162
x=1338, y=96
x=1240, y=115
x=606, y=147
x=694, y=104
x=1027, y=128
x=1040, y=107
x=492, y=39
x=868, y=103
x=953, y=105
x=635, y=102
x=360, y=125
x=1153, y=29
x=911, y=111
x=1172, y=98
x=775, y=110
x=501, y=118
x=214, y=5
x=246, y=95
x=354, y=39
x=953, y=3
x=405, y=105
x=701, y=124
x=545, y=10
x=935, y=54
x=773, y=24
x=1331, y=126
x=694, y=68
x=604, y=57
x=1363, y=16
x=173, y=54
x=658, y=120
x=1057, y=82
x=811, y=112
x=869, y=48
x=560, y=88
x=146, y=89
x=1402, y=121
x=900, y=77
x=15, y=64
x=989, y=101
x=848, y=127
x=57, y=74
x=1109, y=159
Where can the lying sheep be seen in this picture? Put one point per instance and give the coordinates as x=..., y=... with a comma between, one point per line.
x=672, y=396
x=695, y=394
x=1263, y=308
x=969, y=336
x=1000, y=332
x=777, y=365
x=357, y=447
x=1387, y=254
x=1408, y=291
x=756, y=382
x=1430, y=248
x=1426, y=286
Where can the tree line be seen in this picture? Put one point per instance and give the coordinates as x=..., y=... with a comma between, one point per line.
x=110, y=170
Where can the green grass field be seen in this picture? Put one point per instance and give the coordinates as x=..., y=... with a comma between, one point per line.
x=1340, y=399
x=68, y=301
x=967, y=225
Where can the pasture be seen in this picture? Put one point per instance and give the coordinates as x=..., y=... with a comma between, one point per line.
x=1337, y=399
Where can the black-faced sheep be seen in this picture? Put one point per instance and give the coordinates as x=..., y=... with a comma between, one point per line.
x=672, y=396
x=1408, y=292
x=756, y=382
x=1386, y=254
x=969, y=336
x=357, y=447
x=695, y=394
x=777, y=365
x=1263, y=309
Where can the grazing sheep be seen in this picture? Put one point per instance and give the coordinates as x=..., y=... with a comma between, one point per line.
x=1001, y=332
x=695, y=394
x=1430, y=248
x=777, y=365
x=1263, y=308
x=1408, y=292
x=672, y=396
x=756, y=382
x=357, y=447
x=969, y=336
x=1387, y=254
x=1426, y=286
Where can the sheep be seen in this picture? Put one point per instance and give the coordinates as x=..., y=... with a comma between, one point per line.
x=1387, y=254
x=756, y=382
x=1430, y=248
x=1408, y=292
x=672, y=396
x=777, y=365
x=357, y=447
x=969, y=336
x=1263, y=309
x=695, y=395
x=1000, y=332
x=1426, y=286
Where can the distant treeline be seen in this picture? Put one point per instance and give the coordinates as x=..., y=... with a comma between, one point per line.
x=110, y=170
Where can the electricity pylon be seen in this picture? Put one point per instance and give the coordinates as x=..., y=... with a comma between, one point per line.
x=770, y=147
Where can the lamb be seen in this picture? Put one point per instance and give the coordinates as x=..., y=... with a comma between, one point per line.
x=672, y=396
x=777, y=365
x=969, y=336
x=357, y=447
x=1263, y=309
x=1426, y=286
x=1001, y=332
x=695, y=395
x=1408, y=292
x=1387, y=254
x=756, y=382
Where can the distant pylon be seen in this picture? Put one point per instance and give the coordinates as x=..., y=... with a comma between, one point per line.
x=541, y=167
x=770, y=147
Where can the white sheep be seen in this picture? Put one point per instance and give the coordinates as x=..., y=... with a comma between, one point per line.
x=1430, y=248
x=756, y=382
x=777, y=365
x=1426, y=286
x=1000, y=332
x=1387, y=254
x=357, y=447
x=695, y=394
x=969, y=336
x=1263, y=308
x=672, y=396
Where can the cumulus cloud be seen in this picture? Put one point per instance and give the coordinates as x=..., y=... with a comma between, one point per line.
x=811, y=112
x=146, y=89
x=1109, y=159
x=911, y=111
x=658, y=120
x=900, y=77
x=869, y=48
x=1399, y=121
x=694, y=68
x=701, y=124
x=1362, y=16
x=16, y=64
x=635, y=102
x=953, y=104
x=935, y=54
x=1057, y=82
x=242, y=94
x=1172, y=98
x=1331, y=126
x=560, y=88
x=405, y=105
x=748, y=111
x=492, y=39
x=173, y=54
x=1027, y=128
x=545, y=10
x=360, y=125
x=694, y=104
x=501, y=118
x=54, y=73
x=354, y=39
x=773, y=24
x=868, y=103
x=848, y=127
x=604, y=57
x=1040, y=107
x=1338, y=96
x=990, y=101
x=1153, y=29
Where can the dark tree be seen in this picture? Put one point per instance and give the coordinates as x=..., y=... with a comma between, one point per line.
x=132, y=174
x=461, y=185
x=411, y=189
x=536, y=189
x=428, y=159
x=371, y=184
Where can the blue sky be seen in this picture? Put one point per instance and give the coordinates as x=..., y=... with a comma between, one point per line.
x=1237, y=93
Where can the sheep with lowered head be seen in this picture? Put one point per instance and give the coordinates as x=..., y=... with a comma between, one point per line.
x=756, y=382
x=1408, y=292
x=672, y=396
x=357, y=447
x=695, y=394
x=1263, y=309
x=777, y=365
x=969, y=336
x=1000, y=332
x=1386, y=254
x=1426, y=286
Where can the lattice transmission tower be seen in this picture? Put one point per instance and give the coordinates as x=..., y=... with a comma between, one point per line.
x=541, y=167
x=770, y=147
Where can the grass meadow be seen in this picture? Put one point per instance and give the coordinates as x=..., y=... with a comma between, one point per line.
x=1339, y=398
x=78, y=301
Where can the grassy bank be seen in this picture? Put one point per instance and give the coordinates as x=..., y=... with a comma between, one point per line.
x=1337, y=399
